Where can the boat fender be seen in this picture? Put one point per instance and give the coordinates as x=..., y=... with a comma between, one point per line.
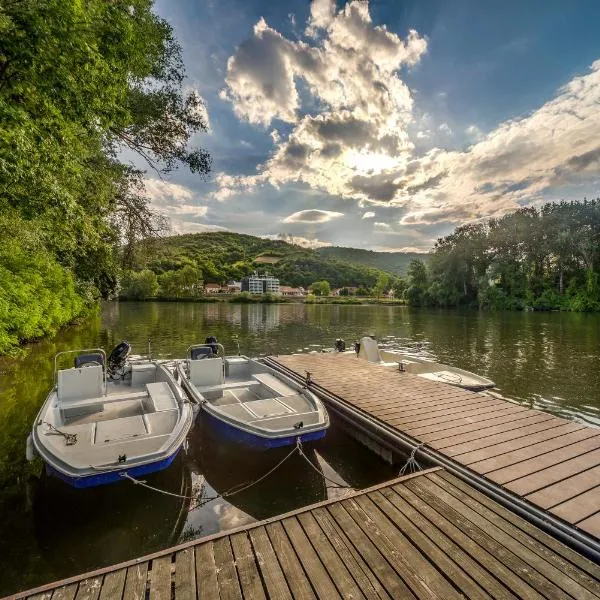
x=30, y=452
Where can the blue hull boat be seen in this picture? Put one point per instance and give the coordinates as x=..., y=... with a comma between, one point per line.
x=106, y=420
x=250, y=403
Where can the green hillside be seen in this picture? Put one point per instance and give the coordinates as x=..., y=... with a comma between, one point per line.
x=224, y=255
x=392, y=262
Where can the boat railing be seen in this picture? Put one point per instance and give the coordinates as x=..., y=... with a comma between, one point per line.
x=81, y=351
x=211, y=346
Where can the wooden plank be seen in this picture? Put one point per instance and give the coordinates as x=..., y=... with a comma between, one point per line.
x=452, y=549
x=65, y=592
x=113, y=585
x=388, y=577
x=296, y=579
x=89, y=589
x=547, y=441
x=135, y=582
x=333, y=564
x=160, y=578
x=430, y=408
x=568, y=488
x=185, y=575
x=579, y=508
x=315, y=571
x=556, y=548
x=364, y=577
x=541, y=442
x=428, y=548
x=508, y=417
x=476, y=431
x=591, y=524
x=424, y=580
x=269, y=565
x=41, y=596
x=531, y=475
x=448, y=422
x=494, y=512
x=527, y=427
x=206, y=572
x=492, y=556
x=229, y=586
x=247, y=568
x=544, y=575
x=532, y=481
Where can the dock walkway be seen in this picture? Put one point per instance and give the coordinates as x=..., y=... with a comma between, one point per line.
x=551, y=462
x=425, y=536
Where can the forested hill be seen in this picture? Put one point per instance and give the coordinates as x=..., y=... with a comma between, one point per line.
x=392, y=262
x=224, y=255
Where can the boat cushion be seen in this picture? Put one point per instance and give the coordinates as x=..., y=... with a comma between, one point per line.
x=206, y=372
x=161, y=396
x=80, y=384
x=274, y=384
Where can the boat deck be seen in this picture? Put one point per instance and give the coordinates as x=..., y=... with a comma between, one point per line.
x=551, y=462
x=425, y=536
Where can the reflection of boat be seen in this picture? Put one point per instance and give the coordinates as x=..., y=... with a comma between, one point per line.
x=250, y=402
x=82, y=529
x=291, y=486
x=369, y=350
x=104, y=420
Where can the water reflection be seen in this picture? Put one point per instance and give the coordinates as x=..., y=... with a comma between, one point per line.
x=543, y=360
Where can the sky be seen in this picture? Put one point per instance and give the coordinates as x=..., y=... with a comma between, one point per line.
x=384, y=124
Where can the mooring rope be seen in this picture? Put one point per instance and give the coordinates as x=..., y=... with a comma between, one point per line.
x=411, y=464
x=236, y=489
x=70, y=438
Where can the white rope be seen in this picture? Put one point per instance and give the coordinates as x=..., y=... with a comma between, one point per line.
x=412, y=466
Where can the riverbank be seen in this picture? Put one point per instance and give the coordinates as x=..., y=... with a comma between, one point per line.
x=245, y=298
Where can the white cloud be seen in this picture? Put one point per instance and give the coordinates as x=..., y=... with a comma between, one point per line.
x=445, y=129
x=382, y=227
x=298, y=240
x=313, y=216
x=160, y=190
x=474, y=133
x=179, y=227
x=321, y=15
x=368, y=215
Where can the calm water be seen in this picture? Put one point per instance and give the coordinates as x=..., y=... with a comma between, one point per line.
x=548, y=361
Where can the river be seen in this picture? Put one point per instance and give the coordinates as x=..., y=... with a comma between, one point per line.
x=548, y=361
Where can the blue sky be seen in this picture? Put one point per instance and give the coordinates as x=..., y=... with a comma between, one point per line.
x=386, y=124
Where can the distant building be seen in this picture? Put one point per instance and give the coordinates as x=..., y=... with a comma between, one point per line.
x=351, y=290
x=260, y=284
x=286, y=290
x=234, y=287
x=212, y=288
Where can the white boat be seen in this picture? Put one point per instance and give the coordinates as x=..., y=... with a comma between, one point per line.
x=249, y=402
x=105, y=420
x=370, y=351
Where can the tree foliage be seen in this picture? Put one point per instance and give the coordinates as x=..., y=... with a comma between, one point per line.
x=320, y=288
x=79, y=83
x=546, y=258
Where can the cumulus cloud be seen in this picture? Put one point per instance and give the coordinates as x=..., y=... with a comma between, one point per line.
x=312, y=216
x=368, y=215
x=172, y=199
x=348, y=134
x=298, y=240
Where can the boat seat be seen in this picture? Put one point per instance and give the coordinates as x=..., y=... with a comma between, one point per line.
x=101, y=400
x=226, y=386
x=277, y=386
x=83, y=383
x=207, y=372
x=161, y=397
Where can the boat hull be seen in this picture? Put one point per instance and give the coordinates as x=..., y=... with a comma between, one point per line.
x=106, y=477
x=256, y=442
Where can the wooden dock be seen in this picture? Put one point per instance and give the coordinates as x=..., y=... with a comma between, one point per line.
x=549, y=461
x=425, y=536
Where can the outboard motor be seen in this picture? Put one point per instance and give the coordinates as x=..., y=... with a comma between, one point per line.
x=357, y=347
x=118, y=356
x=201, y=352
x=211, y=341
x=340, y=345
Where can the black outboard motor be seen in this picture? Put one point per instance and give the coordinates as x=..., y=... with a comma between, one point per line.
x=211, y=341
x=340, y=345
x=118, y=356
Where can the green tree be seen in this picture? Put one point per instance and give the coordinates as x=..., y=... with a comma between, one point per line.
x=382, y=284
x=140, y=285
x=320, y=288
